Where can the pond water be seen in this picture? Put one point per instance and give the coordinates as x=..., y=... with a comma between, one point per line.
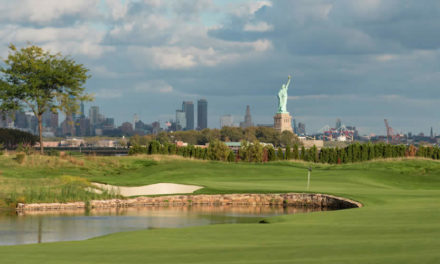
x=39, y=227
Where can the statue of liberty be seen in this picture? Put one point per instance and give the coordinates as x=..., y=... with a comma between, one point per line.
x=282, y=97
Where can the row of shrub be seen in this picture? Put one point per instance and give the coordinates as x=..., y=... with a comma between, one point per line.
x=257, y=152
x=11, y=138
x=363, y=152
x=216, y=150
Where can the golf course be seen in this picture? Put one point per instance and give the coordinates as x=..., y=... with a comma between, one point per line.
x=398, y=223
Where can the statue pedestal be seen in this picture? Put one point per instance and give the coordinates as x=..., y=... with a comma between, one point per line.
x=282, y=122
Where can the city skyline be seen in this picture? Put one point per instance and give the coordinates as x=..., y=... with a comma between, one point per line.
x=360, y=61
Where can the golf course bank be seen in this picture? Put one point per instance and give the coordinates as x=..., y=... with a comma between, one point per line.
x=285, y=199
x=398, y=223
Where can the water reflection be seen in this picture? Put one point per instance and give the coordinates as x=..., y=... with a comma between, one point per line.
x=38, y=227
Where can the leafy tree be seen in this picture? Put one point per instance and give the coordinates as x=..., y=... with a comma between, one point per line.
x=288, y=138
x=172, y=149
x=154, y=147
x=208, y=135
x=255, y=152
x=40, y=81
x=234, y=134
x=217, y=150
x=268, y=135
x=303, y=153
x=280, y=153
x=249, y=134
x=295, y=152
x=288, y=153
x=231, y=156
x=163, y=138
x=313, y=154
x=271, y=156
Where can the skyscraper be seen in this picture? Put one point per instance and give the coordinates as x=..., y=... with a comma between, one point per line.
x=202, y=114
x=180, y=120
x=94, y=115
x=295, y=128
x=82, y=110
x=247, y=118
x=188, y=108
x=301, y=129
x=338, y=123
x=50, y=120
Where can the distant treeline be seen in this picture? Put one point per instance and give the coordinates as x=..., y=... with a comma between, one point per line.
x=231, y=134
x=12, y=138
x=256, y=152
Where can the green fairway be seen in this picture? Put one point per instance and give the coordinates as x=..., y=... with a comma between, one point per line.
x=400, y=222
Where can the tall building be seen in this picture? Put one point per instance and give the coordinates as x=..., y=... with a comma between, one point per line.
x=20, y=120
x=82, y=110
x=301, y=129
x=247, y=118
x=155, y=127
x=6, y=120
x=94, y=115
x=135, y=119
x=68, y=126
x=188, y=108
x=202, y=114
x=226, y=121
x=338, y=123
x=50, y=120
x=180, y=120
x=82, y=127
x=295, y=128
x=432, y=133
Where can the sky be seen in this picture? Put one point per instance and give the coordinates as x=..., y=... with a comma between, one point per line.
x=358, y=60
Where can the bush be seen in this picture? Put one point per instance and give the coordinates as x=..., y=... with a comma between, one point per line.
x=20, y=157
x=11, y=138
x=137, y=149
x=231, y=156
x=53, y=152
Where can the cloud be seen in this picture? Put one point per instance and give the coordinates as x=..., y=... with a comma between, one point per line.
x=258, y=27
x=45, y=11
x=249, y=8
x=385, y=57
x=75, y=40
x=108, y=93
x=153, y=86
x=117, y=8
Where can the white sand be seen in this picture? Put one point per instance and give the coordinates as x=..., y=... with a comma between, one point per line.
x=152, y=189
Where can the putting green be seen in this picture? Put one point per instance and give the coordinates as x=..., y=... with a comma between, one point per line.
x=399, y=223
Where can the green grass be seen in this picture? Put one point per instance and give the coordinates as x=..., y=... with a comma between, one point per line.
x=400, y=222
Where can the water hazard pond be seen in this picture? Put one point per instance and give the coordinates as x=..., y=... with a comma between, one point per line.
x=39, y=227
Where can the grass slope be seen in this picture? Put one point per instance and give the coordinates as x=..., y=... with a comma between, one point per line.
x=400, y=222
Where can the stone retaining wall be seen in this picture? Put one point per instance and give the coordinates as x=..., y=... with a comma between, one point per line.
x=285, y=199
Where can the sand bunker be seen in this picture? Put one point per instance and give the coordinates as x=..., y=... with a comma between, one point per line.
x=152, y=189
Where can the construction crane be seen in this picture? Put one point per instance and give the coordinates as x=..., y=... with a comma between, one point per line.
x=391, y=136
